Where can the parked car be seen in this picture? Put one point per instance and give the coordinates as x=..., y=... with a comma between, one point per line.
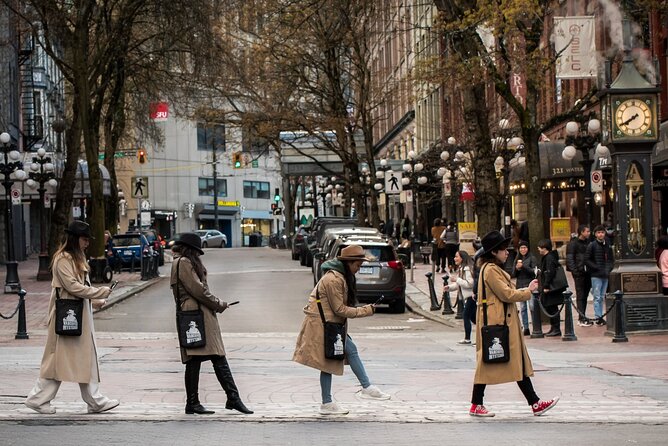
x=155, y=241
x=318, y=228
x=129, y=245
x=331, y=235
x=299, y=241
x=212, y=238
x=383, y=276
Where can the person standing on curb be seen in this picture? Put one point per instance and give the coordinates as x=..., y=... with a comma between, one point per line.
x=436, y=232
x=523, y=271
x=462, y=282
x=599, y=260
x=575, y=263
x=71, y=358
x=553, y=293
x=451, y=238
x=336, y=291
x=495, y=285
x=188, y=282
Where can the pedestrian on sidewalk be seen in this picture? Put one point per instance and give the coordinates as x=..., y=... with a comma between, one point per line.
x=498, y=289
x=575, y=263
x=71, y=358
x=439, y=242
x=188, y=279
x=599, y=260
x=524, y=272
x=462, y=282
x=336, y=291
x=553, y=292
x=661, y=254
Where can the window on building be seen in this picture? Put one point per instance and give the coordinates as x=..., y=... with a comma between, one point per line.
x=252, y=142
x=256, y=189
x=206, y=187
x=210, y=136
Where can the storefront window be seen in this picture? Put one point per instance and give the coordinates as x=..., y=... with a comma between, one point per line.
x=255, y=232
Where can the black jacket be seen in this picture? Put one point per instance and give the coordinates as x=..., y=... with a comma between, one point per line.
x=525, y=274
x=599, y=259
x=548, y=266
x=576, y=252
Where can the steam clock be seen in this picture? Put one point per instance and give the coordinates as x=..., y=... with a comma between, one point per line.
x=629, y=107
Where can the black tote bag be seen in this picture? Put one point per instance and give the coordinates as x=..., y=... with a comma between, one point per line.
x=335, y=334
x=69, y=316
x=190, y=323
x=495, y=338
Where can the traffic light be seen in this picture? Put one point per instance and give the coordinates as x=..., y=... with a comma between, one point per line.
x=141, y=156
x=236, y=160
x=274, y=206
x=277, y=195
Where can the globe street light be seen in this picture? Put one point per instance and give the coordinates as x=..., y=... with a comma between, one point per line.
x=412, y=167
x=584, y=134
x=455, y=166
x=509, y=148
x=12, y=170
x=42, y=173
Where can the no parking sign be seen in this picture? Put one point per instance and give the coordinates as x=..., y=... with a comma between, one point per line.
x=16, y=196
x=596, y=181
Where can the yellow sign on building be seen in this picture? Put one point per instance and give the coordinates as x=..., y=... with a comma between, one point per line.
x=228, y=203
x=560, y=229
x=468, y=231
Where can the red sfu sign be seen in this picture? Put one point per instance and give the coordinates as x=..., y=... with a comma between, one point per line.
x=159, y=111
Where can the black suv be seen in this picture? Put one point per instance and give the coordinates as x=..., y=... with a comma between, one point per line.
x=314, y=239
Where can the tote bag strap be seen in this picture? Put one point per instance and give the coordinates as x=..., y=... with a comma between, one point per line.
x=317, y=300
x=484, y=300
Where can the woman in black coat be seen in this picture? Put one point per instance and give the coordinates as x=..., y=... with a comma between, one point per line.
x=524, y=272
x=549, y=263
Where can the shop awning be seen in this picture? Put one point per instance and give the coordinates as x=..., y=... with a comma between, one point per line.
x=259, y=214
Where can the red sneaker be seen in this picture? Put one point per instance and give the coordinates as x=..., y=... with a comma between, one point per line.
x=541, y=407
x=478, y=410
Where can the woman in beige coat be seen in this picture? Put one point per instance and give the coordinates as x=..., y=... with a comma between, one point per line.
x=71, y=358
x=190, y=289
x=495, y=285
x=336, y=290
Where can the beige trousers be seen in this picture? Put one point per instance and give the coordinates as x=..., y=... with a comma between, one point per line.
x=45, y=390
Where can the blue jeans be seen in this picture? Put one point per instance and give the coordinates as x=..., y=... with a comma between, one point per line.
x=355, y=364
x=525, y=307
x=598, y=288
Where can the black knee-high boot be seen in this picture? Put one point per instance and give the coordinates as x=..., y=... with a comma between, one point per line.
x=224, y=375
x=193, y=406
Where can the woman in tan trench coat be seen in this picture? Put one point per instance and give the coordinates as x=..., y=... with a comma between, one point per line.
x=501, y=295
x=336, y=290
x=190, y=289
x=71, y=358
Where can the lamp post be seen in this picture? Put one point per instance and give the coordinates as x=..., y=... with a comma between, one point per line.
x=509, y=148
x=12, y=170
x=455, y=165
x=42, y=173
x=411, y=168
x=365, y=179
x=584, y=134
x=381, y=171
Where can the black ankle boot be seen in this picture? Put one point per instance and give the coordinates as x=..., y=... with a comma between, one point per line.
x=193, y=406
x=224, y=375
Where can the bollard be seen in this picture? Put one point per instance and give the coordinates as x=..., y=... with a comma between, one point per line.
x=156, y=262
x=460, y=307
x=620, y=329
x=569, y=332
x=447, y=308
x=432, y=293
x=21, y=332
x=132, y=264
x=144, y=267
x=536, y=323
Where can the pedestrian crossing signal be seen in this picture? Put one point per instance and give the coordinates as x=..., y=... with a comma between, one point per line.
x=141, y=156
x=236, y=160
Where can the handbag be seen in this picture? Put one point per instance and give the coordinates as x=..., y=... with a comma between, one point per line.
x=559, y=282
x=189, y=323
x=334, y=334
x=495, y=338
x=68, y=316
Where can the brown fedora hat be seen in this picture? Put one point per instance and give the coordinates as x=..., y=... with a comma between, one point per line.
x=353, y=252
x=79, y=228
x=494, y=241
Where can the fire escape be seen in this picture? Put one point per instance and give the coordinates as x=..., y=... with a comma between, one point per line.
x=32, y=130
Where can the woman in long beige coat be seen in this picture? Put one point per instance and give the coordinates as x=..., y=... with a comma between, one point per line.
x=190, y=289
x=336, y=291
x=71, y=358
x=495, y=286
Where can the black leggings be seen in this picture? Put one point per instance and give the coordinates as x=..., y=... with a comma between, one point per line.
x=525, y=386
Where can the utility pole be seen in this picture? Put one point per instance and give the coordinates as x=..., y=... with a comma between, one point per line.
x=215, y=180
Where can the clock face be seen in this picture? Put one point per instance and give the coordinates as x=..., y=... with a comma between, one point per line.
x=634, y=118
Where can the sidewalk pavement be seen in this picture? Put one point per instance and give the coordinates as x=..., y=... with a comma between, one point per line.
x=38, y=293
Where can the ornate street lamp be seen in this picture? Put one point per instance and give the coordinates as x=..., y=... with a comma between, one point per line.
x=11, y=168
x=42, y=173
x=411, y=168
x=583, y=135
x=509, y=148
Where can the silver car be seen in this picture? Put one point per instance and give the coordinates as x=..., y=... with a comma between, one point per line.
x=212, y=238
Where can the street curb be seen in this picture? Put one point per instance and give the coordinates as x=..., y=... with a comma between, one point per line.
x=415, y=308
x=131, y=292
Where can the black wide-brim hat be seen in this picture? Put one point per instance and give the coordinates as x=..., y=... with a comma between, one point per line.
x=494, y=241
x=192, y=240
x=80, y=229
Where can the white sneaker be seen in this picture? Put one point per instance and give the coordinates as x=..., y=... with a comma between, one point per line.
x=45, y=409
x=332, y=409
x=464, y=342
x=105, y=407
x=374, y=393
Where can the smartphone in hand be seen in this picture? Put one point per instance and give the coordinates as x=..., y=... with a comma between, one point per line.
x=113, y=285
x=233, y=303
x=380, y=299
